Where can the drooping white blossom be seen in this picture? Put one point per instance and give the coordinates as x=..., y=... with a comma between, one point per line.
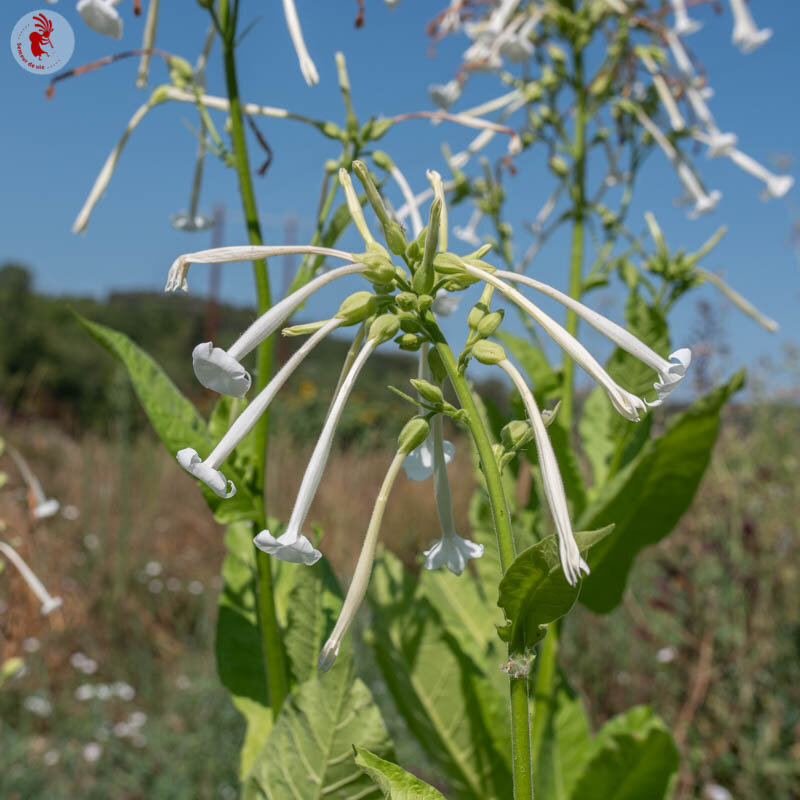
x=40, y=505
x=746, y=36
x=571, y=561
x=48, y=601
x=296, y=33
x=101, y=16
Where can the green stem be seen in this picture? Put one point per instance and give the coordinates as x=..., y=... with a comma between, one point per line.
x=274, y=658
x=578, y=193
x=520, y=714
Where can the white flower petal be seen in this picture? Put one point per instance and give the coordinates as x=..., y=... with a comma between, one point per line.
x=418, y=464
x=220, y=372
x=211, y=477
x=295, y=549
x=47, y=508
x=452, y=551
x=101, y=17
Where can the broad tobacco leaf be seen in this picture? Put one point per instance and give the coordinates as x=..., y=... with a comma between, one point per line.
x=632, y=757
x=534, y=591
x=176, y=421
x=240, y=660
x=308, y=754
x=646, y=499
x=394, y=781
x=444, y=695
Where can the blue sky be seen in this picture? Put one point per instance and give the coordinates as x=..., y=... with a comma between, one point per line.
x=52, y=150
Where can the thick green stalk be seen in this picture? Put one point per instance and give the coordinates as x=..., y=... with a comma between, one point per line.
x=274, y=659
x=578, y=195
x=520, y=714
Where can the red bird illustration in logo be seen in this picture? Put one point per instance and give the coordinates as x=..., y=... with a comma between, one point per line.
x=41, y=37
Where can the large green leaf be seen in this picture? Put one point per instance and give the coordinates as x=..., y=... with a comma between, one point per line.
x=240, y=660
x=632, y=757
x=647, y=498
x=562, y=746
x=314, y=604
x=309, y=752
x=176, y=421
x=444, y=696
x=394, y=781
x=534, y=591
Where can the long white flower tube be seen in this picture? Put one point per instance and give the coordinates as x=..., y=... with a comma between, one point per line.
x=292, y=545
x=295, y=31
x=176, y=277
x=208, y=470
x=451, y=551
x=411, y=434
x=627, y=404
x=459, y=160
x=703, y=201
x=664, y=93
x=444, y=95
x=411, y=201
x=104, y=177
x=41, y=506
x=684, y=24
x=419, y=462
x=48, y=601
x=148, y=41
x=469, y=233
x=221, y=370
x=774, y=185
x=738, y=300
x=746, y=36
x=670, y=372
x=571, y=561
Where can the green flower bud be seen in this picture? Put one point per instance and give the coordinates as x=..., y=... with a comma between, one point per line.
x=385, y=327
x=180, y=69
x=424, y=276
x=358, y=307
x=488, y=352
x=424, y=302
x=159, y=95
x=331, y=165
x=437, y=365
x=533, y=92
x=408, y=341
x=489, y=324
x=382, y=160
x=381, y=269
x=304, y=329
x=516, y=434
x=395, y=237
x=556, y=54
x=427, y=391
x=448, y=264
x=375, y=129
x=332, y=131
x=548, y=416
x=413, y=252
x=558, y=165
x=414, y=433
x=476, y=314
x=406, y=300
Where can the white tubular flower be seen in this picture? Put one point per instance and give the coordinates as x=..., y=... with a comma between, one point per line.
x=48, y=601
x=208, y=470
x=413, y=431
x=293, y=24
x=435, y=180
x=774, y=185
x=412, y=203
x=176, y=277
x=741, y=302
x=292, y=545
x=746, y=36
x=101, y=16
x=459, y=160
x=444, y=95
x=221, y=370
x=419, y=462
x=703, y=201
x=148, y=41
x=571, y=562
x=626, y=403
x=664, y=93
x=104, y=177
x=670, y=372
x=451, y=551
x=354, y=206
x=684, y=25
x=40, y=505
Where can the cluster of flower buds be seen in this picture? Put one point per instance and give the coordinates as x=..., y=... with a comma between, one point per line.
x=400, y=305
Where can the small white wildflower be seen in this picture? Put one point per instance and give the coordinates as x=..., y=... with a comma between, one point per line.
x=38, y=705
x=85, y=692
x=666, y=655
x=153, y=568
x=91, y=541
x=155, y=586
x=123, y=690
x=51, y=758
x=746, y=36
x=31, y=645
x=92, y=752
x=101, y=16
x=196, y=588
